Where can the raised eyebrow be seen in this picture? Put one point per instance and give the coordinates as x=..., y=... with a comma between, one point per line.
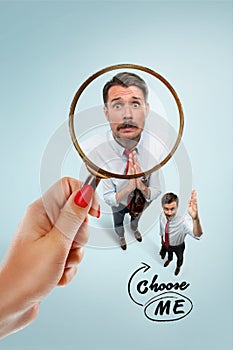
x=120, y=98
x=115, y=99
x=136, y=98
x=172, y=208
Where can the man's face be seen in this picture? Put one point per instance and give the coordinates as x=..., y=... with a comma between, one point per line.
x=170, y=210
x=126, y=111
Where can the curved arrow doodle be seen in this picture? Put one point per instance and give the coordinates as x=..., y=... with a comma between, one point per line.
x=143, y=269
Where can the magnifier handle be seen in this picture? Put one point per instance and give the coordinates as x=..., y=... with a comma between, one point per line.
x=92, y=181
x=85, y=193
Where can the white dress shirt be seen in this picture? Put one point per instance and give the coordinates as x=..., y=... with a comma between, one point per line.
x=108, y=154
x=178, y=228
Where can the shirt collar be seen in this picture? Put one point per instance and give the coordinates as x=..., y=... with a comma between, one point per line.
x=176, y=220
x=165, y=218
x=119, y=149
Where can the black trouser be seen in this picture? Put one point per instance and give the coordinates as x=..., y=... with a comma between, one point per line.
x=177, y=249
x=118, y=219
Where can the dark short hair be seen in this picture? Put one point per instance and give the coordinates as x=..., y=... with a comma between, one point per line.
x=169, y=198
x=125, y=79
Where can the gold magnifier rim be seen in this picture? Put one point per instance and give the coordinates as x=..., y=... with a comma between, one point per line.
x=92, y=167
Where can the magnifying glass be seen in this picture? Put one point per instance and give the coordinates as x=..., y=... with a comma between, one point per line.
x=102, y=170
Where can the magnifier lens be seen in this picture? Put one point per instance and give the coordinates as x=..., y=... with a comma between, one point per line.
x=97, y=138
x=99, y=131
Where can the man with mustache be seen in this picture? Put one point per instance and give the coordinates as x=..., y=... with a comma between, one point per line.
x=174, y=228
x=132, y=149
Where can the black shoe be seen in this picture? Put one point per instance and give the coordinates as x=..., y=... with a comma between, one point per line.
x=167, y=263
x=162, y=254
x=138, y=236
x=123, y=243
x=177, y=271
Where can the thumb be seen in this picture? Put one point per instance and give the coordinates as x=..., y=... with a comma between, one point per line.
x=74, y=212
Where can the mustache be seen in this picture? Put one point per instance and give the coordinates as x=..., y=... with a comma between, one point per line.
x=127, y=124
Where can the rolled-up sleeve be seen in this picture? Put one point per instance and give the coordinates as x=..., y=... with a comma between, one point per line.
x=112, y=186
x=188, y=227
x=161, y=228
x=154, y=186
x=109, y=192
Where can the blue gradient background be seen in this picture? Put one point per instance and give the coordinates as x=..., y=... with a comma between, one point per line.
x=47, y=50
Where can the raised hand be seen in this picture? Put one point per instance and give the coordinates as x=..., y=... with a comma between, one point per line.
x=192, y=205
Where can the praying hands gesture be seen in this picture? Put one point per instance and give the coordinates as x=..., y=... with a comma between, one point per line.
x=139, y=183
x=131, y=171
x=133, y=167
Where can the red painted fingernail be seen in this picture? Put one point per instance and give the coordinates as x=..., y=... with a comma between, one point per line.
x=98, y=212
x=84, y=196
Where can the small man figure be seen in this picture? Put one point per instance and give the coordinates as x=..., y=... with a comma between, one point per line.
x=174, y=228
